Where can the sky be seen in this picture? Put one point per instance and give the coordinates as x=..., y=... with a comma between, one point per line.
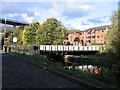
x=73, y=15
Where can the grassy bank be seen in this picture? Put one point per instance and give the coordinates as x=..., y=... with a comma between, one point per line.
x=41, y=60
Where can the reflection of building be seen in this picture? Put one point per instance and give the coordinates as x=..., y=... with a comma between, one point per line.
x=89, y=36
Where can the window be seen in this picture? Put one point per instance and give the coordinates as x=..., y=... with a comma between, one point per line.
x=99, y=31
x=88, y=36
x=93, y=36
x=88, y=32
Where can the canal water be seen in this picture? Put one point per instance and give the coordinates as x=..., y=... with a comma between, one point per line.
x=77, y=62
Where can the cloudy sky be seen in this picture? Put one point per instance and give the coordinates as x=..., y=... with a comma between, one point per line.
x=73, y=15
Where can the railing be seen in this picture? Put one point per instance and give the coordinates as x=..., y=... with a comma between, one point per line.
x=70, y=48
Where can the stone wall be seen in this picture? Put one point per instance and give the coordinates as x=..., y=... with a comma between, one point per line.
x=26, y=49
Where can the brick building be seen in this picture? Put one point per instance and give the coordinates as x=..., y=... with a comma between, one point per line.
x=89, y=36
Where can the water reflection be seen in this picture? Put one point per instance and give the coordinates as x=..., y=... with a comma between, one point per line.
x=72, y=62
x=85, y=68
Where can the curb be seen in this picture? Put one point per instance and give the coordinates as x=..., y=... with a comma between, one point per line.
x=65, y=76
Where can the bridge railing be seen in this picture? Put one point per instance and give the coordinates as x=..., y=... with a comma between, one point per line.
x=36, y=49
x=70, y=48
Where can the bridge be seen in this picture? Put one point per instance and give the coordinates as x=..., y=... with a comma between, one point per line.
x=56, y=49
x=12, y=22
x=71, y=50
x=50, y=48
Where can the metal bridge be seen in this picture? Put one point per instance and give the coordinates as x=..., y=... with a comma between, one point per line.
x=12, y=22
x=70, y=48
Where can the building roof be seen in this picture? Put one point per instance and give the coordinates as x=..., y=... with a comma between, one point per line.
x=77, y=31
x=95, y=28
x=99, y=27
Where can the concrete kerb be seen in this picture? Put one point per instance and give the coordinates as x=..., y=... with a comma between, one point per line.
x=65, y=76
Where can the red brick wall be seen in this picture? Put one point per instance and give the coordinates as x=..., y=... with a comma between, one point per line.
x=95, y=36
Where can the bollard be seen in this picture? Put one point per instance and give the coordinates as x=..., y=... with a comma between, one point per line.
x=5, y=49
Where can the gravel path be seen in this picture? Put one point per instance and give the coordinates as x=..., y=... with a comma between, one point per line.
x=17, y=73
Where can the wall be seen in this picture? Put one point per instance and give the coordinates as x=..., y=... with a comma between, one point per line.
x=87, y=37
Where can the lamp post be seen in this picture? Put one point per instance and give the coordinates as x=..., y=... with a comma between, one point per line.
x=5, y=29
x=5, y=25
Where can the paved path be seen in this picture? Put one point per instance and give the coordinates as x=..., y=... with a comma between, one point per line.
x=17, y=73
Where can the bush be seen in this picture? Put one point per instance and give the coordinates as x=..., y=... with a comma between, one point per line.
x=97, y=44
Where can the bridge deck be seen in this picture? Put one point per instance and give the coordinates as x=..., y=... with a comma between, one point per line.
x=70, y=48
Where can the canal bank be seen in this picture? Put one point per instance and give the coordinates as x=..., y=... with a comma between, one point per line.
x=57, y=66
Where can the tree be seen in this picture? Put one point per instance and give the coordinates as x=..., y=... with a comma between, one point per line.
x=51, y=32
x=113, y=47
x=8, y=34
x=29, y=33
x=59, y=36
x=18, y=33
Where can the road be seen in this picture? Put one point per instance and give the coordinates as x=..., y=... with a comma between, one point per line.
x=17, y=73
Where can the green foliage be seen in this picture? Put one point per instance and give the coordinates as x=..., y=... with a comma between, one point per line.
x=9, y=35
x=18, y=33
x=97, y=44
x=113, y=47
x=51, y=32
x=29, y=33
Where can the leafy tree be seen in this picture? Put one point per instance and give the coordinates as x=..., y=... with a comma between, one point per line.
x=113, y=45
x=60, y=34
x=18, y=33
x=8, y=34
x=51, y=32
x=29, y=33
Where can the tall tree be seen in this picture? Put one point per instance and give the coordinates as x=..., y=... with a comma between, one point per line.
x=29, y=33
x=113, y=45
x=18, y=33
x=51, y=32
